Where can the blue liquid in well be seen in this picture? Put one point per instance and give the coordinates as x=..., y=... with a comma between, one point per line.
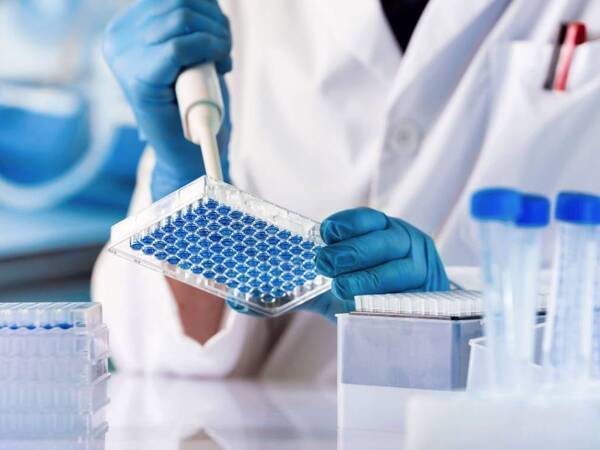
x=233, y=249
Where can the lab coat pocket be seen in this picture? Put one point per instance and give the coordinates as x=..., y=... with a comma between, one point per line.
x=542, y=141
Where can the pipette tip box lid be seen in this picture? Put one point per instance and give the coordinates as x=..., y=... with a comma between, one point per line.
x=225, y=241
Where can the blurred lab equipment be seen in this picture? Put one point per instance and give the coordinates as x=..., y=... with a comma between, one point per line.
x=567, y=352
x=68, y=146
x=553, y=405
x=54, y=378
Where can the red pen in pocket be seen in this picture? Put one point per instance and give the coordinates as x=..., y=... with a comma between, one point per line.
x=570, y=36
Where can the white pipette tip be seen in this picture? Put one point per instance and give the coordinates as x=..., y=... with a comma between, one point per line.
x=449, y=304
x=201, y=108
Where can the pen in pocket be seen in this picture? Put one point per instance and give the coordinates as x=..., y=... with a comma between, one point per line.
x=569, y=37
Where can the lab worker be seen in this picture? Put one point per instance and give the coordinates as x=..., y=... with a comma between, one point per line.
x=337, y=106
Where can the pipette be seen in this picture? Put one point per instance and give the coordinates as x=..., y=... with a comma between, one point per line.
x=201, y=107
x=496, y=210
x=568, y=336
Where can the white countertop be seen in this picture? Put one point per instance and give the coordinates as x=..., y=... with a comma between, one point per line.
x=193, y=414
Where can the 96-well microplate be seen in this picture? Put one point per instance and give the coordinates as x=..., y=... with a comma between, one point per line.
x=225, y=241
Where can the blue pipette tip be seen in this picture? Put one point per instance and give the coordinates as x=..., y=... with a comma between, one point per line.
x=578, y=208
x=535, y=211
x=497, y=204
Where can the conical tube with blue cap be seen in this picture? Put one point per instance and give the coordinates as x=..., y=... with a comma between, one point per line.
x=496, y=210
x=525, y=264
x=567, y=348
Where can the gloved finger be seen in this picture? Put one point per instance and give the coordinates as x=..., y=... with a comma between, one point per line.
x=152, y=8
x=395, y=276
x=364, y=251
x=352, y=222
x=181, y=22
x=162, y=64
x=123, y=31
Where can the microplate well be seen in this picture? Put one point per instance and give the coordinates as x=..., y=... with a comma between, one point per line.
x=232, y=244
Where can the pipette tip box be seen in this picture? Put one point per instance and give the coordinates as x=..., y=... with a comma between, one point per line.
x=225, y=241
x=396, y=343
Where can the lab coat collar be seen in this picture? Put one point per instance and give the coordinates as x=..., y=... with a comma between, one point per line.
x=442, y=21
x=362, y=29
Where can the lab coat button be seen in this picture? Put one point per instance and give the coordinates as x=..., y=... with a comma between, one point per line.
x=406, y=137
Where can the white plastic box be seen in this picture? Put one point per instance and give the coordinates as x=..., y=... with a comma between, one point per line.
x=466, y=420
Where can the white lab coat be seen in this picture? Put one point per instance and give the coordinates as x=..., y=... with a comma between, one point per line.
x=327, y=115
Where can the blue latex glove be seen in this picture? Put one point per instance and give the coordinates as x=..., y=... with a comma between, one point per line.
x=368, y=252
x=147, y=47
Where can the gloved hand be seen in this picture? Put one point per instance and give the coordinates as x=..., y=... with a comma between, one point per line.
x=147, y=47
x=370, y=253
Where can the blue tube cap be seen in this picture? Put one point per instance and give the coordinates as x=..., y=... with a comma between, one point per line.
x=497, y=204
x=578, y=208
x=535, y=211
